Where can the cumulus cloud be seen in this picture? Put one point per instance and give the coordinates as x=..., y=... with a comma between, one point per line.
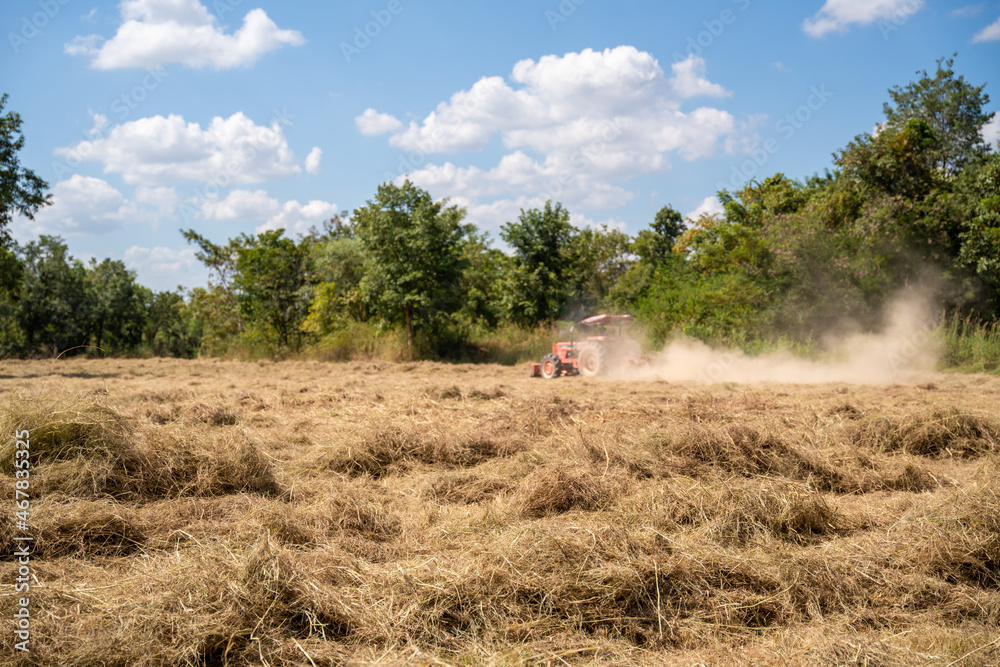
x=708, y=206
x=689, y=80
x=157, y=32
x=372, y=123
x=162, y=269
x=167, y=150
x=837, y=15
x=162, y=199
x=84, y=205
x=298, y=218
x=991, y=131
x=990, y=33
x=257, y=205
x=492, y=215
x=561, y=102
x=572, y=125
x=313, y=160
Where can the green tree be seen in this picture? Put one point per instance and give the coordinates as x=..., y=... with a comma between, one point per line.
x=600, y=257
x=339, y=268
x=980, y=238
x=115, y=306
x=655, y=244
x=898, y=161
x=537, y=286
x=167, y=330
x=215, y=319
x=651, y=248
x=413, y=252
x=951, y=106
x=482, y=281
x=21, y=191
x=271, y=282
x=52, y=307
x=221, y=262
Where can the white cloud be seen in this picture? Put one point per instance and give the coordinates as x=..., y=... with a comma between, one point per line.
x=163, y=199
x=518, y=173
x=164, y=151
x=87, y=205
x=372, y=123
x=991, y=131
x=240, y=205
x=708, y=206
x=990, y=33
x=162, y=269
x=572, y=126
x=689, y=80
x=565, y=102
x=581, y=221
x=313, y=160
x=257, y=205
x=968, y=10
x=492, y=215
x=156, y=32
x=837, y=15
x=296, y=218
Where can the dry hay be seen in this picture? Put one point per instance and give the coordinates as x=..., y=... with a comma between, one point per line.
x=94, y=451
x=743, y=513
x=84, y=528
x=941, y=433
x=958, y=539
x=555, y=489
x=382, y=450
x=580, y=522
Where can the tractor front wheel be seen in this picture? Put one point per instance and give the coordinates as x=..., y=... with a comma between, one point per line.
x=551, y=366
x=592, y=360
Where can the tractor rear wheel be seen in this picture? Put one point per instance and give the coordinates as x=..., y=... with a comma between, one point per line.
x=551, y=366
x=591, y=360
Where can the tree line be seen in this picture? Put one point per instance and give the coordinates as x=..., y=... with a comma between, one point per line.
x=915, y=202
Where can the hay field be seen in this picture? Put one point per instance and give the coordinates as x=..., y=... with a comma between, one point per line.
x=226, y=513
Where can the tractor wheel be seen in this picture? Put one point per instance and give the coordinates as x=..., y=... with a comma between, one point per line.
x=551, y=366
x=591, y=360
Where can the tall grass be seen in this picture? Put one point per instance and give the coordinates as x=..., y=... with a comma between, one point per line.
x=360, y=340
x=510, y=345
x=971, y=346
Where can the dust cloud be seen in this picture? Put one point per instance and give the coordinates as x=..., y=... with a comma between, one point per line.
x=903, y=351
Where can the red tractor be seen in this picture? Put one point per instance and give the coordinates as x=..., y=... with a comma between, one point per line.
x=608, y=347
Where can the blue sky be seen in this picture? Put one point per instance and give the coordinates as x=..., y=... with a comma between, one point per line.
x=230, y=116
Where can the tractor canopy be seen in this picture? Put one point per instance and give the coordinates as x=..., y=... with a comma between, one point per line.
x=598, y=320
